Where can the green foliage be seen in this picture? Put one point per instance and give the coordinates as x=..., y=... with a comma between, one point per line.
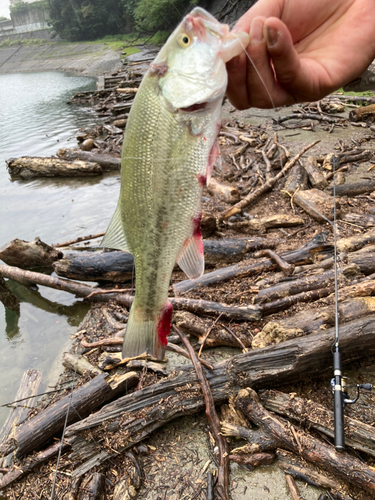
x=159, y=38
x=21, y=7
x=2, y=18
x=23, y=41
x=78, y=20
x=153, y=15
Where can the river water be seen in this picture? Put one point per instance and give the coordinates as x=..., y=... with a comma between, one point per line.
x=35, y=120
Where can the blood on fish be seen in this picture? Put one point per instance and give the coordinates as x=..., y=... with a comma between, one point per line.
x=195, y=24
x=202, y=179
x=197, y=233
x=158, y=69
x=164, y=324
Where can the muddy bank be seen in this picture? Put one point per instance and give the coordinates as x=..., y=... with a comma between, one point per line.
x=89, y=59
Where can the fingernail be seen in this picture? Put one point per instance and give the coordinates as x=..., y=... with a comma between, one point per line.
x=272, y=36
x=256, y=30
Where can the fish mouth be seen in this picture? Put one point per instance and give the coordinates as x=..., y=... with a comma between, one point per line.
x=195, y=107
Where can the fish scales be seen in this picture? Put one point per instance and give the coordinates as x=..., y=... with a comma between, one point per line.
x=160, y=201
x=169, y=148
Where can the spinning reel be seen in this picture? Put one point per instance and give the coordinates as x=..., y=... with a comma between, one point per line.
x=341, y=398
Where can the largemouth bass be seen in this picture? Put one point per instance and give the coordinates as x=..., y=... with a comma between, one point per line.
x=168, y=154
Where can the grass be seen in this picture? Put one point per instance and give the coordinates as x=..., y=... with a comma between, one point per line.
x=366, y=93
x=127, y=43
x=25, y=42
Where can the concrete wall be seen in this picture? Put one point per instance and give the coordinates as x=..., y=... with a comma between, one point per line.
x=6, y=27
x=35, y=18
x=31, y=23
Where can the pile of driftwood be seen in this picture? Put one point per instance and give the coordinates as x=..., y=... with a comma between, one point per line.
x=100, y=146
x=114, y=399
x=268, y=291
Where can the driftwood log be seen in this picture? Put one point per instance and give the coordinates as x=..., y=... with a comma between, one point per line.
x=356, y=242
x=311, y=321
x=358, y=435
x=29, y=464
x=79, y=364
x=355, y=189
x=38, y=430
x=360, y=113
x=247, y=313
x=364, y=220
x=267, y=222
x=316, y=203
x=106, y=162
x=343, y=465
x=308, y=473
x=27, y=255
x=224, y=192
x=301, y=256
x=147, y=409
x=93, y=487
x=192, y=324
x=28, y=167
x=24, y=400
x=316, y=178
x=297, y=180
x=119, y=266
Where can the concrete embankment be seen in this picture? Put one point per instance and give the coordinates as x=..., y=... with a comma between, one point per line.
x=90, y=59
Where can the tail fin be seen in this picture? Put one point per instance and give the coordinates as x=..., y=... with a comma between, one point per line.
x=147, y=332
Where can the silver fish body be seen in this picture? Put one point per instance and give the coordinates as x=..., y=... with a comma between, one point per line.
x=168, y=152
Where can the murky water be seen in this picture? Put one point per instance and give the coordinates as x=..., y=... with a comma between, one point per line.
x=35, y=120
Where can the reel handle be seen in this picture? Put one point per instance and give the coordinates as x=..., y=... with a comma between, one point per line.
x=338, y=408
x=367, y=387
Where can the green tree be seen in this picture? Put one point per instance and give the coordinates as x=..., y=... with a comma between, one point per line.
x=153, y=15
x=78, y=20
x=150, y=16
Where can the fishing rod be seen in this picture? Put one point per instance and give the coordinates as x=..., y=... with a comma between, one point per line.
x=338, y=384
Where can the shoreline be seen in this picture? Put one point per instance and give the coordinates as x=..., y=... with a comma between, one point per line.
x=85, y=59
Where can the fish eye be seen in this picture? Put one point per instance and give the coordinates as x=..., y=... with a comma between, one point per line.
x=183, y=40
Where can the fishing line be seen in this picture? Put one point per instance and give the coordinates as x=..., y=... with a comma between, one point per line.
x=335, y=160
x=52, y=496
x=256, y=70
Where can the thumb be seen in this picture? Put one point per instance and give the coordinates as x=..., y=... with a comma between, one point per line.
x=285, y=59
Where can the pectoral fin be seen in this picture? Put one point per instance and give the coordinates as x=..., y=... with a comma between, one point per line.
x=115, y=236
x=191, y=260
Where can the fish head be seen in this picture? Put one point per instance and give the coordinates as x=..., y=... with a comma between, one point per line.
x=191, y=64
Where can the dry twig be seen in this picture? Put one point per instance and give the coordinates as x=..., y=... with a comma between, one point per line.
x=223, y=471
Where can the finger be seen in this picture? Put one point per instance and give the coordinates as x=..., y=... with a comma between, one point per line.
x=259, y=71
x=264, y=92
x=246, y=75
x=266, y=8
x=291, y=75
x=237, y=91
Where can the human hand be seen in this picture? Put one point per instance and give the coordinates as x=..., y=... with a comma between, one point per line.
x=302, y=49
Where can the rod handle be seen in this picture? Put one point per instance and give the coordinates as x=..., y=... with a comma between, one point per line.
x=338, y=408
